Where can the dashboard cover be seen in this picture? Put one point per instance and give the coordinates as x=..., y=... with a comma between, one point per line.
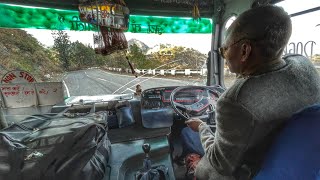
x=156, y=110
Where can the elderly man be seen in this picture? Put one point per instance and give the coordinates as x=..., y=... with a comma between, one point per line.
x=269, y=90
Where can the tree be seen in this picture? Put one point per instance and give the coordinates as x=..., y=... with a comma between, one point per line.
x=138, y=59
x=189, y=58
x=62, y=46
x=81, y=55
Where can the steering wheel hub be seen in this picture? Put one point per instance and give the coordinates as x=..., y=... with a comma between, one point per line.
x=205, y=101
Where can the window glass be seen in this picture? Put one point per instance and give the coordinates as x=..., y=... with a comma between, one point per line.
x=229, y=77
x=163, y=51
x=305, y=39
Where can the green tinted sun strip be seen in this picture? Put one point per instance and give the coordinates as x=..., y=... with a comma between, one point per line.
x=14, y=16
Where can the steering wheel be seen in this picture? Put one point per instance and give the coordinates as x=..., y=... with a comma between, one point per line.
x=199, y=108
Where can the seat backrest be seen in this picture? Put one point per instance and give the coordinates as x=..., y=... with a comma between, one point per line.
x=21, y=100
x=295, y=153
x=18, y=95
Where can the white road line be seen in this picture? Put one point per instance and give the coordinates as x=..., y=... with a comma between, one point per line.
x=108, y=81
x=115, y=84
x=65, y=85
x=142, y=82
x=103, y=80
x=140, y=77
x=131, y=90
x=116, y=74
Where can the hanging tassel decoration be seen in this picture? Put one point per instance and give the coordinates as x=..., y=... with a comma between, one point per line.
x=195, y=11
x=122, y=2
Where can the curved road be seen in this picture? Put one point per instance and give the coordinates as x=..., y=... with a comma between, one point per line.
x=97, y=82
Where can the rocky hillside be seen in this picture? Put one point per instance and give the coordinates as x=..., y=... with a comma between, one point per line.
x=166, y=54
x=183, y=57
x=144, y=48
x=21, y=51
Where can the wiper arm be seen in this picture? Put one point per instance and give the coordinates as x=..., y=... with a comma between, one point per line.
x=131, y=67
x=145, y=74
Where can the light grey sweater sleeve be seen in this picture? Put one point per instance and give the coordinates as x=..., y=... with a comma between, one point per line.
x=225, y=148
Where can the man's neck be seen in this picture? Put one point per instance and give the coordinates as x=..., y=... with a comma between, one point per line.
x=266, y=66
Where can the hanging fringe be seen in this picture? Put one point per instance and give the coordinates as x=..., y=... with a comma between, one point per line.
x=121, y=2
x=195, y=11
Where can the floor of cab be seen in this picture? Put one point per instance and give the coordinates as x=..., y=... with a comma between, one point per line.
x=179, y=170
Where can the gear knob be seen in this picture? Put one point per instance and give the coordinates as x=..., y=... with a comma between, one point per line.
x=146, y=148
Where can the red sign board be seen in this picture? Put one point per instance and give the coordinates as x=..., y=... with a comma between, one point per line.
x=17, y=77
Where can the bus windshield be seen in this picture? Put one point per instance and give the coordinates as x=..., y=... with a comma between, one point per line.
x=53, y=45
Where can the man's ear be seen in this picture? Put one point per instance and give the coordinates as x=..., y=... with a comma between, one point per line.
x=245, y=52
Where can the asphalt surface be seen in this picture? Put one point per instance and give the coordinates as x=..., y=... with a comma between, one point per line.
x=98, y=82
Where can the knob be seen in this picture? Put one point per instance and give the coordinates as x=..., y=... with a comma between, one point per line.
x=146, y=148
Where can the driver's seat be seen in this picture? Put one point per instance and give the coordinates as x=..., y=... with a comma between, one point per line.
x=295, y=155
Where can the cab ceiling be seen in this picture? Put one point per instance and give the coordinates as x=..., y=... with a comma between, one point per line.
x=181, y=8
x=140, y=7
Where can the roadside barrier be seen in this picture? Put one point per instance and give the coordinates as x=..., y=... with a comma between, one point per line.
x=163, y=72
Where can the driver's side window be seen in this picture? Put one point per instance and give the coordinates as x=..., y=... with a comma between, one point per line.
x=305, y=39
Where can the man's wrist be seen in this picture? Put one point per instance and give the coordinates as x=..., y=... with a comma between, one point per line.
x=202, y=125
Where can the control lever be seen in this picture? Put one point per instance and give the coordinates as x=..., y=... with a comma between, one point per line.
x=146, y=162
x=147, y=172
x=146, y=149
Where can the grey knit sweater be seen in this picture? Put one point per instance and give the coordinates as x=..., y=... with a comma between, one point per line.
x=249, y=114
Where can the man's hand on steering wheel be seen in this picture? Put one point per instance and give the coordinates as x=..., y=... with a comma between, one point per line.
x=194, y=124
x=202, y=108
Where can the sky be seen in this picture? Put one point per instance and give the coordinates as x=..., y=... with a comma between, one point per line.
x=304, y=29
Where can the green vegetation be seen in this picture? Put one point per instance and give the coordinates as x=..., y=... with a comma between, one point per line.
x=76, y=55
x=179, y=57
x=316, y=58
x=21, y=51
x=63, y=46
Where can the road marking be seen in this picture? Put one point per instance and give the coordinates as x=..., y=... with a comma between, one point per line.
x=139, y=79
x=108, y=81
x=101, y=79
x=140, y=76
x=142, y=82
x=131, y=90
x=65, y=85
x=134, y=81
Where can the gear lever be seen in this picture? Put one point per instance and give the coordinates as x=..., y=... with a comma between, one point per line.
x=146, y=162
x=157, y=172
x=146, y=149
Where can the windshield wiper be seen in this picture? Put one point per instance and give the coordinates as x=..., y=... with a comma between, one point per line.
x=144, y=75
x=131, y=67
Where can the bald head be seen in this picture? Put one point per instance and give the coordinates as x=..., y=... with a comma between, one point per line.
x=269, y=27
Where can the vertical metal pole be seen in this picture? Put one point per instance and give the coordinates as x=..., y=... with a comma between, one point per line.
x=210, y=67
x=213, y=70
x=215, y=54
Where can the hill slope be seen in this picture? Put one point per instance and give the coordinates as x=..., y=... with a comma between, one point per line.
x=143, y=47
x=21, y=51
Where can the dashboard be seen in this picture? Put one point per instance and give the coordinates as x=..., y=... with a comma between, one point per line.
x=156, y=98
x=157, y=111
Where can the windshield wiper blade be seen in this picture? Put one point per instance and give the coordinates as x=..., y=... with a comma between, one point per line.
x=145, y=74
x=131, y=67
